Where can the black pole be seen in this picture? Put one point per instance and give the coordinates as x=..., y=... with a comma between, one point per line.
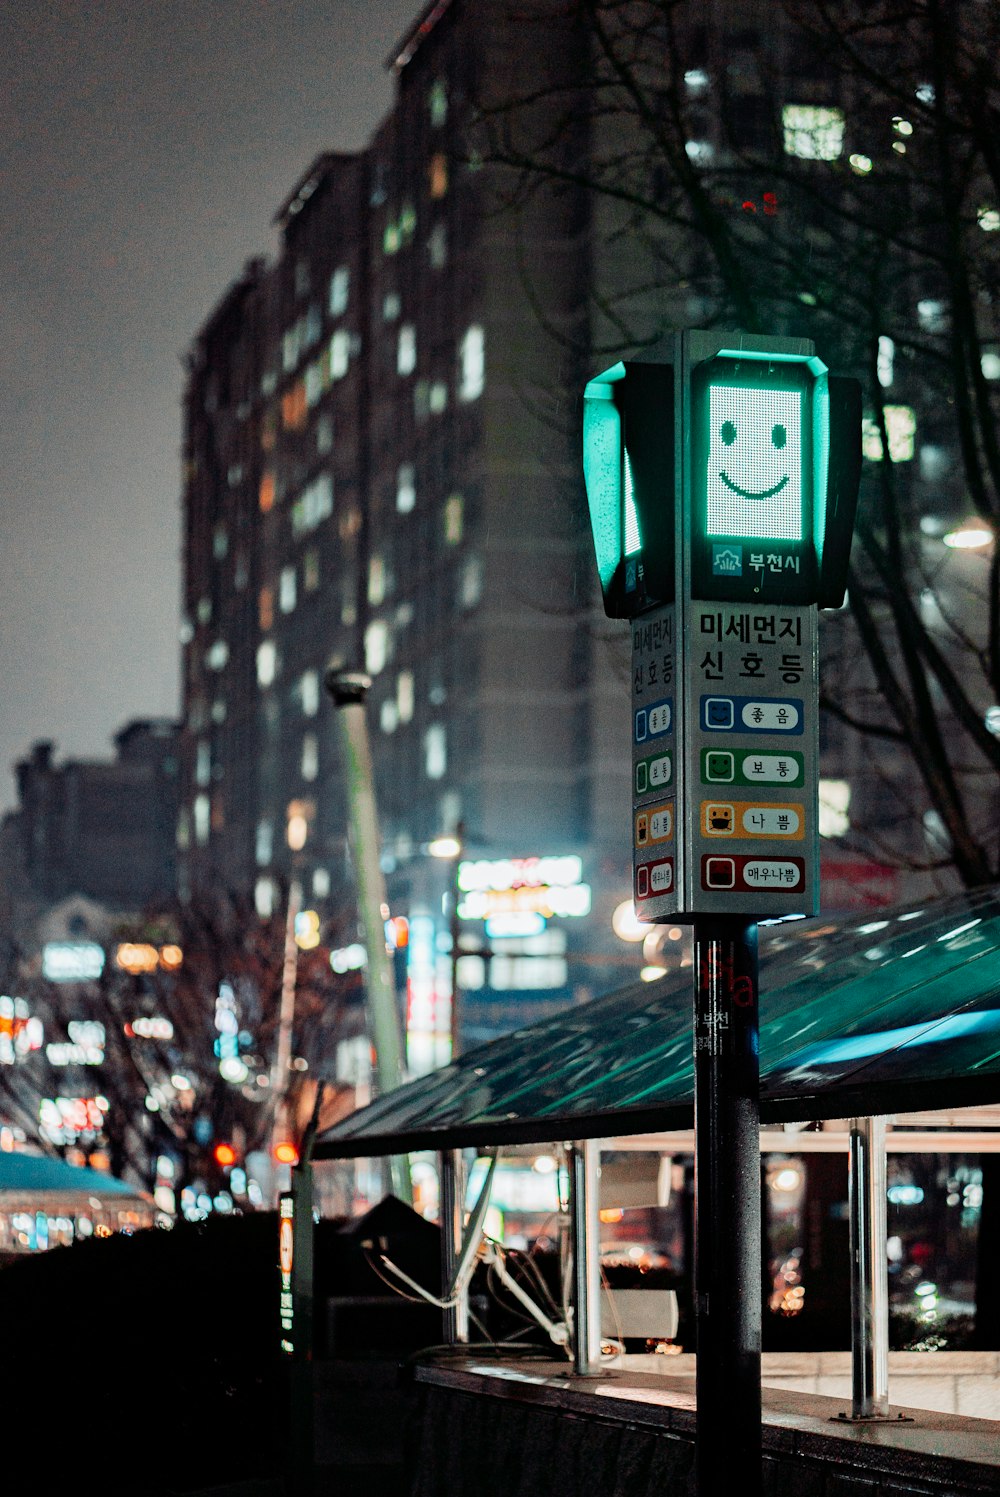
x=727, y=1207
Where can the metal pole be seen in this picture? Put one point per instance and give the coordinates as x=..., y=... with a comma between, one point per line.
x=585, y=1229
x=456, y=930
x=348, y=690
x=869, y=1284
x=727, y=1207
x=451, y=1174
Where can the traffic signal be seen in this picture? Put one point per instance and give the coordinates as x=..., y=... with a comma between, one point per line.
x=729, y=473
x=285, y=1152
x=224, y=1155
x=628, y=465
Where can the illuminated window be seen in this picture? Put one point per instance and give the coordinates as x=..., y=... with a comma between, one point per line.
x=309, y=692
x=265, y=896
x=376, y=646
x=437, y=399
x=406, y=488
x=453, y=509
x=310, y=756
x=219, y=711
x=391, y=306
x=437, y=247
x=988, y=220
x=813, y=132
x=321, y=882
x=472, y=363
x=266, y=495
x=264, y=848
x=315, y=382
x=265, y=609
x=470, y=586
x=294, y=408
x=700, y=151
x=901, y=426
x=340, y=283
x=268, y=430
x=290, y=349
x=267, y=663
x=389, y=716
x=437, y=175
x=405, y=696
x=310, y=570
x=202, y=819
x=407, y=221
x=885, y=360
x=302, y=278
x=834, y=804
x=340, y=353
x=406, y=349
x=435, y=752
x=220, y=542
x=437, y=102
x=324, y=434
x=218, y=656
x=390, y=238
x=204, y=610
x=990, y=364
x=376, y=580
x=696, y=81
x=203, y=765
x=932, y=315
x=287, y=590
x=313, y=506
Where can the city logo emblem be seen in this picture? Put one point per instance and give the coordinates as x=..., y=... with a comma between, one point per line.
x=727, y=561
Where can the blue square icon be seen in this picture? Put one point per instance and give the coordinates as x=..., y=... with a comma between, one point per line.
x=641, y=726
x=718, y=712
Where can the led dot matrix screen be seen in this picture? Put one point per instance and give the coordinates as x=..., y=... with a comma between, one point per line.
x=754, y=477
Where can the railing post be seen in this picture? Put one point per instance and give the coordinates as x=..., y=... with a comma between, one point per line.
x=451, y=1176
x=585, y=1229
x=869, y=1284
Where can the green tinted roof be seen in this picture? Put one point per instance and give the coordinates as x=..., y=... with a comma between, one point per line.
x=858, y=1016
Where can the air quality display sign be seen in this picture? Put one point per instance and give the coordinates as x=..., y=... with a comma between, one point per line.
x=759, y=451
x=754, y=478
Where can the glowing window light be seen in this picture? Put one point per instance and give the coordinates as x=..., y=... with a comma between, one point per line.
x=406, y=488
x=472, y=361
x=267, y=663
x=406, y=350
x=885, y=360
x=72, y=961
x=860, y=163
x=971, y=536
x=307, y=930
x=901, y=427
x=813, y=132
x=297, y=831
x=136, y=957
x=989, y=362
x=834, y=805
x=988, y=220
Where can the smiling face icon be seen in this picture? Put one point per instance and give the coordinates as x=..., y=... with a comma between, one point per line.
x=754, y=478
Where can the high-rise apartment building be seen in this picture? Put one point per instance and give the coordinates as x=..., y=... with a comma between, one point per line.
x=382, y=472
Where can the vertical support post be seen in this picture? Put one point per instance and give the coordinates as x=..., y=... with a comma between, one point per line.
x=451, y=1176
x=348, y=690
x=727, y=1206
x=585, y=1230
x=869, y=1285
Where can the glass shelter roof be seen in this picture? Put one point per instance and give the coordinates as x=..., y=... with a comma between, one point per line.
x=861, y=1015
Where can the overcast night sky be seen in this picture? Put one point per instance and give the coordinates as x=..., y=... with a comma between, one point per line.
x=146, y=148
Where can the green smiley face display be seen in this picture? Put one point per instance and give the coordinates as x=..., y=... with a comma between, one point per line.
x=754, y=478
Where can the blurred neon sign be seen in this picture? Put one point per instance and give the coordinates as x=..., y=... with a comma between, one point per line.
x=549, y=887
